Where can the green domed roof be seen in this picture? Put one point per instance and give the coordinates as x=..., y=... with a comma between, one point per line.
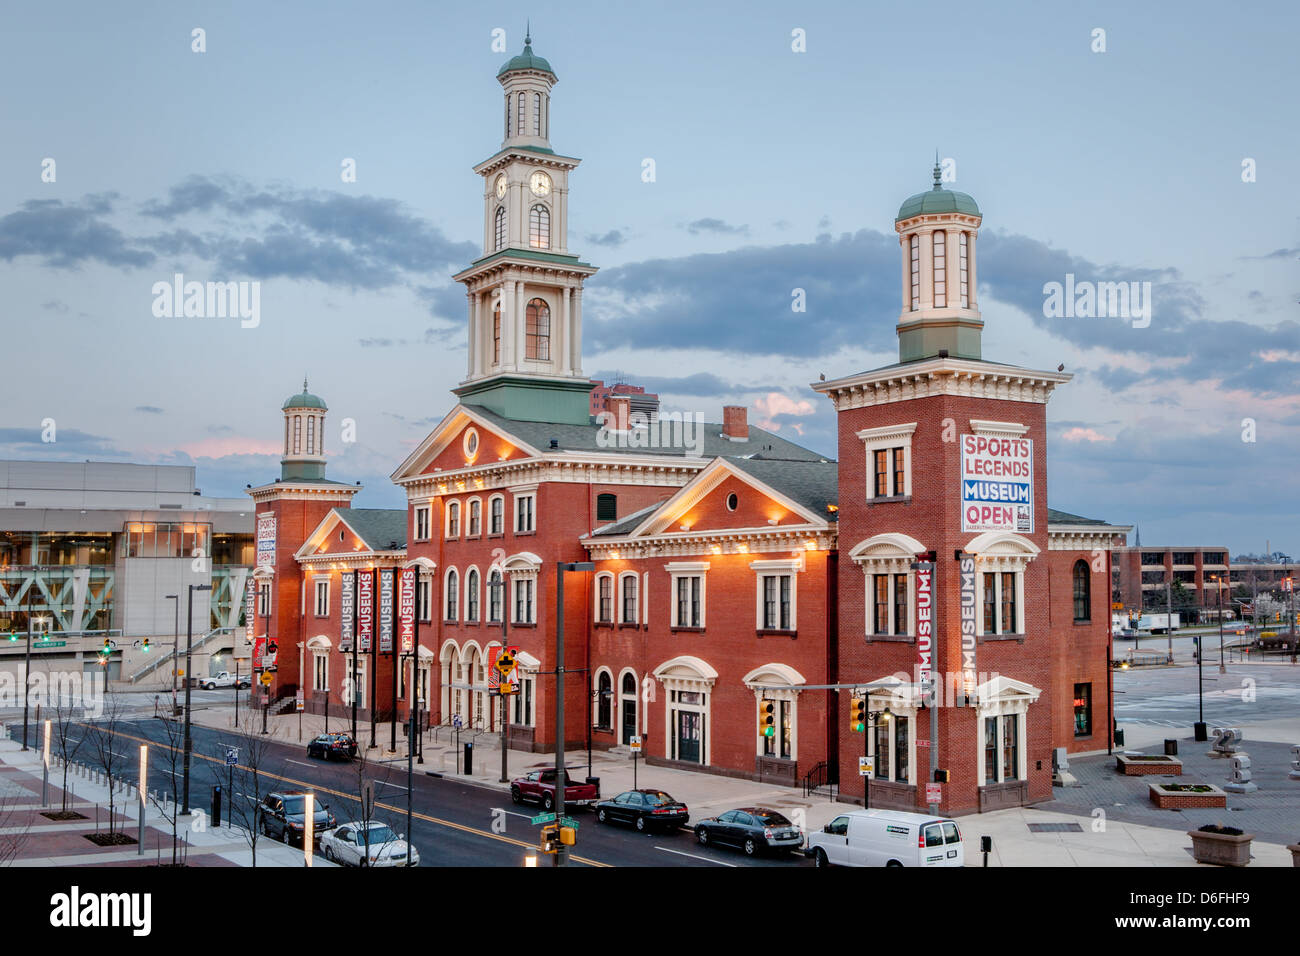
x=305, y=399
x=526, y=61
x=937, y=200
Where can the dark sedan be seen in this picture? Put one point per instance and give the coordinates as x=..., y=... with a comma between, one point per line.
x=283, y=817
x=328, y=746
x=644, y=809
x=751, y=829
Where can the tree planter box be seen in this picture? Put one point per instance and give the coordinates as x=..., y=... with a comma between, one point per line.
x=1142, y=765
x=1182, y=796
x=1221, y=849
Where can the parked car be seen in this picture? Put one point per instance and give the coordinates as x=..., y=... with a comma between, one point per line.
x=330, y=746
x=644, y=809
x=283, y=816
x=225, y=679
x=887, y=838
x=752, y=829
x=367, y=844
x=538, y=786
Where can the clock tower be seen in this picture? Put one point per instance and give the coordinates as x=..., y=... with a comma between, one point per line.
x=525, y=291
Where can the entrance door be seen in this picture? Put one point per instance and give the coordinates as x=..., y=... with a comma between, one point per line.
x=690, y=735
x=629, y=720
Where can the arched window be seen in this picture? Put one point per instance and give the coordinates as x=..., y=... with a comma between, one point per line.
x=495, y=588
x=520, y=118
x=537, y=114
x=496, y=334
x=940, y=283
x=604, y=702
x=453, y=519
x=507, y=116
x=539, y=227
x=916, y=272
x=453, y=592
x=1082, y=591
x=500, y=229
x=606, y=507
x=538, y=327
x=605, y=598
x=496, y=514
x=965, y=290
x=471, y=595
x=629, y=684
x=627, y=586
x=475, y=517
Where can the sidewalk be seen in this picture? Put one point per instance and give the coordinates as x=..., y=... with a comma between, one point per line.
x=62, y=843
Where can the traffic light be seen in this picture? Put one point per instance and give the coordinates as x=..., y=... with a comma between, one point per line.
x=858, y=714
x=550, y=838
x=13, y=636
x=568, y=836
x=145, y=647
x=767, y=718
x=107, y=648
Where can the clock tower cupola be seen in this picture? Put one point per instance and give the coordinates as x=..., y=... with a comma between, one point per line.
x=525, y=291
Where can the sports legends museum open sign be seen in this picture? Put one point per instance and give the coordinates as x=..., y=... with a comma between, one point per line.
x=997, y=484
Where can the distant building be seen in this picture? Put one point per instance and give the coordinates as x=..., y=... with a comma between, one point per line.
x=89, y=550
x=1141, y=573
x=642, y=402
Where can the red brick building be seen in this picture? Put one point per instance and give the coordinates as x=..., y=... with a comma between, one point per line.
x=737, y=573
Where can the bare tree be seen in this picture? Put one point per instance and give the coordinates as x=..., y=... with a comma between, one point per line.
x=13, y=834
x=365, y=800
x=101, y=739
x=249, y=783
x=68, y=740
x=170, y=756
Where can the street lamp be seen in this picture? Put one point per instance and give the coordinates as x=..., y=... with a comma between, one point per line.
x=1218, y=588
x=176, y=639
x=189, y=647
x=561, y=855
x=27, y=666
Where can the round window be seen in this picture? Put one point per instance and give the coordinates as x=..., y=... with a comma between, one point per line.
x=470, y=443
x=732, y=501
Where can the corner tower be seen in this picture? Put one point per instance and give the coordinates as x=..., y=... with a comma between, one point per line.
x=936, y=235
x=525, y=291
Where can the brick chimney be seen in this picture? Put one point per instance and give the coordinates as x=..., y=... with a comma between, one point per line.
x=735, y=423
x=620, y=410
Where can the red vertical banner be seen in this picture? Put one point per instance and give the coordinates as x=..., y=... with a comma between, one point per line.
x=259, y=653
x=406, y=609
x=250, y=609
x=494, y=676
x=365, y=609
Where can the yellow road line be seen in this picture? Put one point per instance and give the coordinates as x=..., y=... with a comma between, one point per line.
x=346, y=796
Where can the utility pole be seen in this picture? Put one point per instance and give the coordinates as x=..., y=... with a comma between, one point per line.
x=1218, y=582
x=189, y=647
x=497, y=591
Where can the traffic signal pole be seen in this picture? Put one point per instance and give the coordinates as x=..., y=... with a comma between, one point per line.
x=560, y=857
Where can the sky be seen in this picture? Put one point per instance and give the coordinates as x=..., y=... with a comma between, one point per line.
x=1167, y=157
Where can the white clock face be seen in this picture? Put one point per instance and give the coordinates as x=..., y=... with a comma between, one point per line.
x=540, y=184
x=501, y=187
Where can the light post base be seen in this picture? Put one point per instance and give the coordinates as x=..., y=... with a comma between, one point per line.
x=1198, y=732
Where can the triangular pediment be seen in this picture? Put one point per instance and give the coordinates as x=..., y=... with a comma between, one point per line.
x=463, y=439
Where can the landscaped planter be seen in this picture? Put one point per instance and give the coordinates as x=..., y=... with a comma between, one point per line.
x=1138, y=765
x=1187, y=796
x=1221, y=846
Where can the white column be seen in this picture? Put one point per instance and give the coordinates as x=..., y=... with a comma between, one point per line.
x=577, y=331
x=521, y=327
x=952, y=265
x=508, y=325
x=564, y=346
x=927, y=270
x=905, y=244
x=472, y=366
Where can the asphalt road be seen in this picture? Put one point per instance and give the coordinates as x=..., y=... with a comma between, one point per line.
x=453, y=824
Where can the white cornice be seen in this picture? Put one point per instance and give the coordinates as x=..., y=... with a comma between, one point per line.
x=1085, y=537
x=730, y=541
x=941, y=376
x=305, y=491
x=980, y=426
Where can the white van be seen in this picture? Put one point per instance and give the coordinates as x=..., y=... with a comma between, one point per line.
x=887, y=838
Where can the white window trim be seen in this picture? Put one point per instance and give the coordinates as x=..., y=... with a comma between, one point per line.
x=877, y=705
x=789, y=695
x=425, y=512
x=518, y=496
x=446, y=578
x=870, y=570
x=446, y=522
x=688, y=569
x=487, y=595
x=645, y=598
x=636, y=597
x=487, y=518
x=595, y=597
x=473, y=568
x=316, y=595
x=997, y=567
x=595, y=701
x=887, y=436
x=465, y=517
x=1019, y=710
x=359, y=690
x=317, y=656
x=529, y=575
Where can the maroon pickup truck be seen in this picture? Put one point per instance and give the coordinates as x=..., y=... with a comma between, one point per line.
x=539, y=787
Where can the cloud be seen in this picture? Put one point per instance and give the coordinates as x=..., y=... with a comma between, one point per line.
x=1078, y=434
x=54, y=305
x=1277, y=254
x=70, y=442
x=150, y=409
x=68, y=235
x=701, y=383
x=715, y=226
x=612, y=239
x=776, y=409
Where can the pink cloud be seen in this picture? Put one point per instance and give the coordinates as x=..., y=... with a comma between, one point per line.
x=1084, y=434
x=774, y=403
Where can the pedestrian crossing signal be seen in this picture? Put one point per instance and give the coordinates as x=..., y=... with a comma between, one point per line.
x=767, y=718
x=858, y=714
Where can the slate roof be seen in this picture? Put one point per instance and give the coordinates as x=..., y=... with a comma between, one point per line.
x=813, y=484
x=1064, y=517
x=582, y=438
x=378, y=528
